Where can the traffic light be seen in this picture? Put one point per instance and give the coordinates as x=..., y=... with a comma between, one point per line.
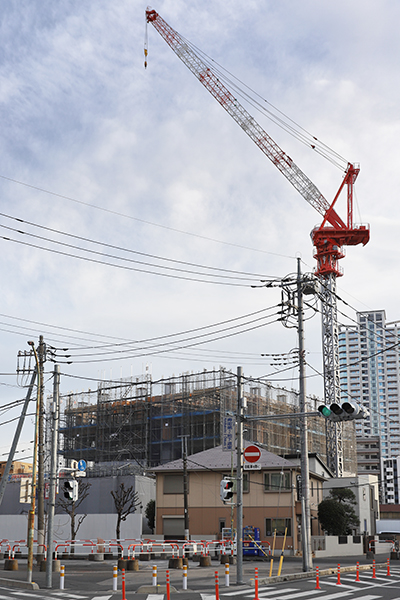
x=71, y=490
x=226, y=489
x=343, y=412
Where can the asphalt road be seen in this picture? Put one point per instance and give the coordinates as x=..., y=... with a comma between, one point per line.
x=86, y=580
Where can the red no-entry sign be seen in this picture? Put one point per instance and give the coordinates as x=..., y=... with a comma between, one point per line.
x=252, y=454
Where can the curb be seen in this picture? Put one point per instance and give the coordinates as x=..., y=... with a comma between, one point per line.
x=16, y=583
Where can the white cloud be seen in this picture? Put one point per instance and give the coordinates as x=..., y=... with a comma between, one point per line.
x=81, y=117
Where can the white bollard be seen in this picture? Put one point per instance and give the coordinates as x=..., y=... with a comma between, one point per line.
x=155, y=575
x=115, y=578
x=226, y=574
x=184, y=580
x=62, y=573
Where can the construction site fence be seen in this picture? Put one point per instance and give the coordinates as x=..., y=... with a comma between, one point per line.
x=130, y=548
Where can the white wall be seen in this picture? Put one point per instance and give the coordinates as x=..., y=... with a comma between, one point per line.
x=14, y=527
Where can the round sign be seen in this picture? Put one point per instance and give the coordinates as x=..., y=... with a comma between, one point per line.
x=252, y=454
x=82, y=465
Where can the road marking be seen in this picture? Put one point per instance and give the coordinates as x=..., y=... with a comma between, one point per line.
x=368, y=597
x=274, y=592
x=107, y=597
x=149, y=597
x=73, y=596
x=241, y=592
x=207, y=596
x=298, y=595
x=343, y=585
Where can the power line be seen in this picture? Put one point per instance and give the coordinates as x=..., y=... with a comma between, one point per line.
x=114, y=212
x=120, y=248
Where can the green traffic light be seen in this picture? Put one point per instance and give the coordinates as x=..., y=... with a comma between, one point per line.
x=326, y=411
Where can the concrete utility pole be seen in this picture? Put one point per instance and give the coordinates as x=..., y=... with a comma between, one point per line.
x=55, y=409
x=305, y=474
x=40, y=487
x=239, y=480
x=16, y=438
x=185, y=487
x=31, y=516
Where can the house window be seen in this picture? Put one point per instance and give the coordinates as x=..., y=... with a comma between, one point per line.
x=173, y=484
x=280, y=525
x=277, y=482
x=246, y=482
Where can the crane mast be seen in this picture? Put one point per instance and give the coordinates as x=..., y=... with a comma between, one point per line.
x=328, y=238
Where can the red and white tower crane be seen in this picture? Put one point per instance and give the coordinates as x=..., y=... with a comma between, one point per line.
x=329, y=238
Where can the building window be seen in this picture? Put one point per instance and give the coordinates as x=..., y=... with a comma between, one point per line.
x=246, y=483
x=280, y=525
x=173, y=484
x=277, y=482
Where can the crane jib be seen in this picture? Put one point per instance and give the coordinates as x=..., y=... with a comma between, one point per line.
x=299, y=180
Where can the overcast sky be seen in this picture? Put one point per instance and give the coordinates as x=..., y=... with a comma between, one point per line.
x=95, y=146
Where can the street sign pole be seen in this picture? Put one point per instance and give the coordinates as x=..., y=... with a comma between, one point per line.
x=53, y=474
x=239, y=481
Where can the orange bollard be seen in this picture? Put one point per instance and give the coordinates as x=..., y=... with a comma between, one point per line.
x=338, y=575
x=317, y=587
x=123, y=585
x=388, y=567
x=256, y=584
x=358, y=572
x=373, y=570
x=168, y=586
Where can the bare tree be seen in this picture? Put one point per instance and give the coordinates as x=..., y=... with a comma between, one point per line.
x=70, y=507
x=126, y=501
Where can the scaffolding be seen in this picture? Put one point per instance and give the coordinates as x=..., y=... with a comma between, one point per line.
x=142, y=422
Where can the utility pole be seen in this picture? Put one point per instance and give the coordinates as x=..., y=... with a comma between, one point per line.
x=305, y=475
x=31, y=516
x=16, y=437
x=239, y=480
x=55, y=410
x=185, y=487
x=40, y=487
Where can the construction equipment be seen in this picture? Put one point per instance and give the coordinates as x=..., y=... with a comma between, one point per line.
x=329, y=238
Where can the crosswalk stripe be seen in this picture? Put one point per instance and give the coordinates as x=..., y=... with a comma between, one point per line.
x=207, y=596
x=101, y=598
x=74, y=596
x=274, y=593
x=242, y=592
x=290, y=596
x=150, y=597
x=343, y=585
x=368, y=597
x=334, y=596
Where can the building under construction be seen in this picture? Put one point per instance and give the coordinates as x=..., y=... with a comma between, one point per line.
x=144, y=422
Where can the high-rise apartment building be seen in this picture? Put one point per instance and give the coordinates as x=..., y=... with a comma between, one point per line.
x=370, y=374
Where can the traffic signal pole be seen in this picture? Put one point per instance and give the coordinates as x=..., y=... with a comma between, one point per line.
x=305, y=473
x=55, y=409
x=239, y=480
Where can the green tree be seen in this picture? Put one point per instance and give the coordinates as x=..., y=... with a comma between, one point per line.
x=150, y=514
x=336, y=513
